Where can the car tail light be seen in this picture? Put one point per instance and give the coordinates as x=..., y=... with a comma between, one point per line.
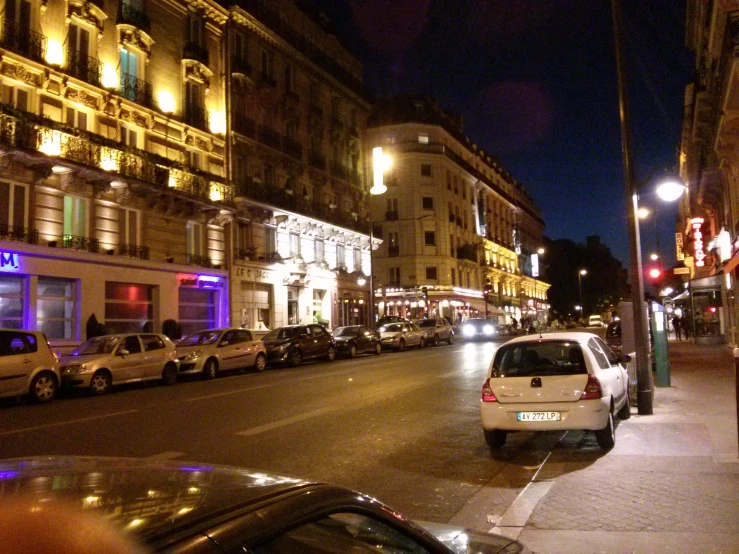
x=487, y=392
x=592, y=390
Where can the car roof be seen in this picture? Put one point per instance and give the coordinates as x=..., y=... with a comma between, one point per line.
x=575, y=336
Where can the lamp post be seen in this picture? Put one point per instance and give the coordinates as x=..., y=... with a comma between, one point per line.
x=380, y=163
x=579, y=285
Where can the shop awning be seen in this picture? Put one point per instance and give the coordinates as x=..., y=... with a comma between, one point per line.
x=682, y=296
x=480, y=306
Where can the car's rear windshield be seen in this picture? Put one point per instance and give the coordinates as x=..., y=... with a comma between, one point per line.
x=345, y=331
x=202, y=337
x=391, y=328
x=524, y=359
x=283, y=333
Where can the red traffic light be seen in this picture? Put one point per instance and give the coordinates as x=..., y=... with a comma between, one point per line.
x=655, y=273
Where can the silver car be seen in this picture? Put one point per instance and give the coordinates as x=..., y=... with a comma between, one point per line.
x=435, y=330
x=400, y=335
x=27, y=365
x=214, y=350
x=101, y=362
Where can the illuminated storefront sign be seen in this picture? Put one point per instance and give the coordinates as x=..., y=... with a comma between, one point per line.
x=534, y=265
x=698, y=252
x=200, y=281
x=9, y=261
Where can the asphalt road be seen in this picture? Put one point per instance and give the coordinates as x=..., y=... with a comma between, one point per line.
x=403, y=427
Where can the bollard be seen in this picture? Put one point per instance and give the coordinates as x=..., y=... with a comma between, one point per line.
x=736, y=384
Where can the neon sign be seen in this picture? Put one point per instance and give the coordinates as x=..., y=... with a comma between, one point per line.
x=9, y=261
x=699, y=254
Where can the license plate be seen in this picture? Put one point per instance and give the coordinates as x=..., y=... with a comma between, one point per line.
x=539, y=416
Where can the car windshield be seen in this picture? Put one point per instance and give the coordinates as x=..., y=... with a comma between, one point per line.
x=391, y=328
x=345, y=331
x=477, y=322
x=524, y=359
x=426, y=323
x=202, y=337
x=97, y=345
x=282, y=333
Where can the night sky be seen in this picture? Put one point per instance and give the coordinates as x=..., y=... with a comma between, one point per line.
x=535, y=81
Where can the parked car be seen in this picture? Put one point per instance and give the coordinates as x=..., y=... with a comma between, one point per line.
x=479, y=328
x=400, y=335
x=28, y=366
x=294, y=344
x=595, y=321
x=215, y=350
x=168, y=506
x=560, y=381
x=101, y=362
x=435, y=330
x=356, y=339
x=384, y=320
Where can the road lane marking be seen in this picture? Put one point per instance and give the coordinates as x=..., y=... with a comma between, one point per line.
x=69, y=422
x=285, y=422
x=166, y=456
x=235, y=391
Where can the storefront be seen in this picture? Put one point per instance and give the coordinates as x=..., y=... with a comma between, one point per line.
x=705, y=311
x=58, y=291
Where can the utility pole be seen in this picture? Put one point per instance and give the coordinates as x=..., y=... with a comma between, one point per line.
x=645, y=387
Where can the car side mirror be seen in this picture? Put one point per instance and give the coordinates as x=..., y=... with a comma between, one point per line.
x=223, y=343
x=123, y=352
x=624, y=359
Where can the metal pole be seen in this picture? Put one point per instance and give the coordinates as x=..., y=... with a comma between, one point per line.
x=645, y=388
x=579, y=285
x=372, y=270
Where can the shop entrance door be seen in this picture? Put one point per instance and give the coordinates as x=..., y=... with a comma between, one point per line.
x=293, y=315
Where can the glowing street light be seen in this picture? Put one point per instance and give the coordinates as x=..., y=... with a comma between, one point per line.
x=670, y=189
x=380, y=163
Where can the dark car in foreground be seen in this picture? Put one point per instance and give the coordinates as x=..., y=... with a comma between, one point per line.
x=356, y=339
x=294, y=344
x=169, y=506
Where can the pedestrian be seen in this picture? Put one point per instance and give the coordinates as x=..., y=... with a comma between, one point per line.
x=685, y=324
x=676, y=323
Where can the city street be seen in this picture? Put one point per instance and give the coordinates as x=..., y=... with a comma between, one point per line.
x=404, y=427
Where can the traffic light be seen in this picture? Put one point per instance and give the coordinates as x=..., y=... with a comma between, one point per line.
x=486, y=290
x=424, y=292
x=655, y=273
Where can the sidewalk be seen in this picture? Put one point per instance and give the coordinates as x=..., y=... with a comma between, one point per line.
x=671, y=484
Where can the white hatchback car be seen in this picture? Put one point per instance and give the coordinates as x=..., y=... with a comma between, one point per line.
x=552, y=382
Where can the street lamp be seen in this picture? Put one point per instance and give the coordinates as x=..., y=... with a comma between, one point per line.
x=579, y=284
x=380, y=163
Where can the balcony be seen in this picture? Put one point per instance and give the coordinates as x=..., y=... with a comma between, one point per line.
x=391, y=215
x=244, y=125
x=197, y=116
x=132, y=16
x=393, y=250
x=267, y=80
x=339, y=171
x=317, y=160
x=292, y=148
x=33, y=133
x=239, y=66
x=74, y=242
x=136, y=90
x=84, y=67
x=199, y=260
x=467, y=252
x=268, y=137
x=133, y=251
x=23, y=41
x=194, y=51
x=248, y=253
x=18, y=234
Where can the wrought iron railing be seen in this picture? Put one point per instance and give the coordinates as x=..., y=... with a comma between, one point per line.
x=268, y=136
x=84, y=67
x=244, y=125
x=197, y=116
x=74, y=242
x=240, y=65
x=133, y=251
x=23, y=41
x=340, y=171
x=393, y=250
x=391, y=215
x=317, y=160
x=136, y=90
x=194, y=51
x=199, y=260
x=28, y=131
x=249, y=253
x=134, y=16
x=292, y=147
x=18, y=233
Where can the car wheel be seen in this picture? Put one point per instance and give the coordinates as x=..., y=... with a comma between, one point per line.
x=169, y=374
x=331, y=354
x=436, y=340
x=295, y=358
x=495, y=437
x=625, y=411
x=210, y=369
x=401, y=345
x=450, y=340
x=378, y=349
x=100, y=382
x=353, y=351
x=422, y=343
x=260, y=363
x=43, y=387
x=607, y=437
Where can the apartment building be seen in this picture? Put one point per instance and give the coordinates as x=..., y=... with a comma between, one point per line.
x=133, y=188
x=298, y=109
x=452, y=221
